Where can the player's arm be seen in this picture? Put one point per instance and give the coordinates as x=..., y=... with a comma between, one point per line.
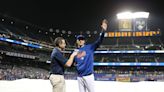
x=71, y=59
x=104, y=26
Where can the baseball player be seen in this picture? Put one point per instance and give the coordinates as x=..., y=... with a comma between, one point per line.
x=85, y=58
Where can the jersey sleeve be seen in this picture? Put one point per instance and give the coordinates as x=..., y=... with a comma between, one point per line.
x=97, y=43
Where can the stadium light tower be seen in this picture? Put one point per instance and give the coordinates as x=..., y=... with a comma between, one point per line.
x=129, y=20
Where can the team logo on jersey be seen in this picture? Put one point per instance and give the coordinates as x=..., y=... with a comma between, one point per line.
x=81, y=54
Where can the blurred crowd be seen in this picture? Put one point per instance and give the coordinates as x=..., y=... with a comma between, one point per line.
x=14, y=72
x=8, y=72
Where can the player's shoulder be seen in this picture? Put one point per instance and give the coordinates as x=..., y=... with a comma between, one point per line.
x=87, y=45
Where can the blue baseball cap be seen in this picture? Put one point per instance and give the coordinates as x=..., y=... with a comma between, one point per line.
x=80, y=37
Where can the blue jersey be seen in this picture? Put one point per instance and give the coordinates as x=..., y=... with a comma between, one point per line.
x=85, y=58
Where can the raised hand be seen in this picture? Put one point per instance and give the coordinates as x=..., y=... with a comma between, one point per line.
x=104, y=25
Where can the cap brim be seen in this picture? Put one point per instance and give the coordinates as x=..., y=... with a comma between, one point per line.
x=80, y=38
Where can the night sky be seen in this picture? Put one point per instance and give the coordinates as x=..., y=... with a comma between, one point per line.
x=79, y=15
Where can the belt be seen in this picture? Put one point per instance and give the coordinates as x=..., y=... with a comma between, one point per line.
x=88, y=74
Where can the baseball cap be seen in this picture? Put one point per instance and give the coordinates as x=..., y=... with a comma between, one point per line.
x=80, y=37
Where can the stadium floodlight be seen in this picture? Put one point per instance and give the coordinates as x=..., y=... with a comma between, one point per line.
x=125, y=15
x=140, y=15
x=51, y=29
x=129, y=15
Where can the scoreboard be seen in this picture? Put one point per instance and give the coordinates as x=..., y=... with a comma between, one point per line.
x=132, y=33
